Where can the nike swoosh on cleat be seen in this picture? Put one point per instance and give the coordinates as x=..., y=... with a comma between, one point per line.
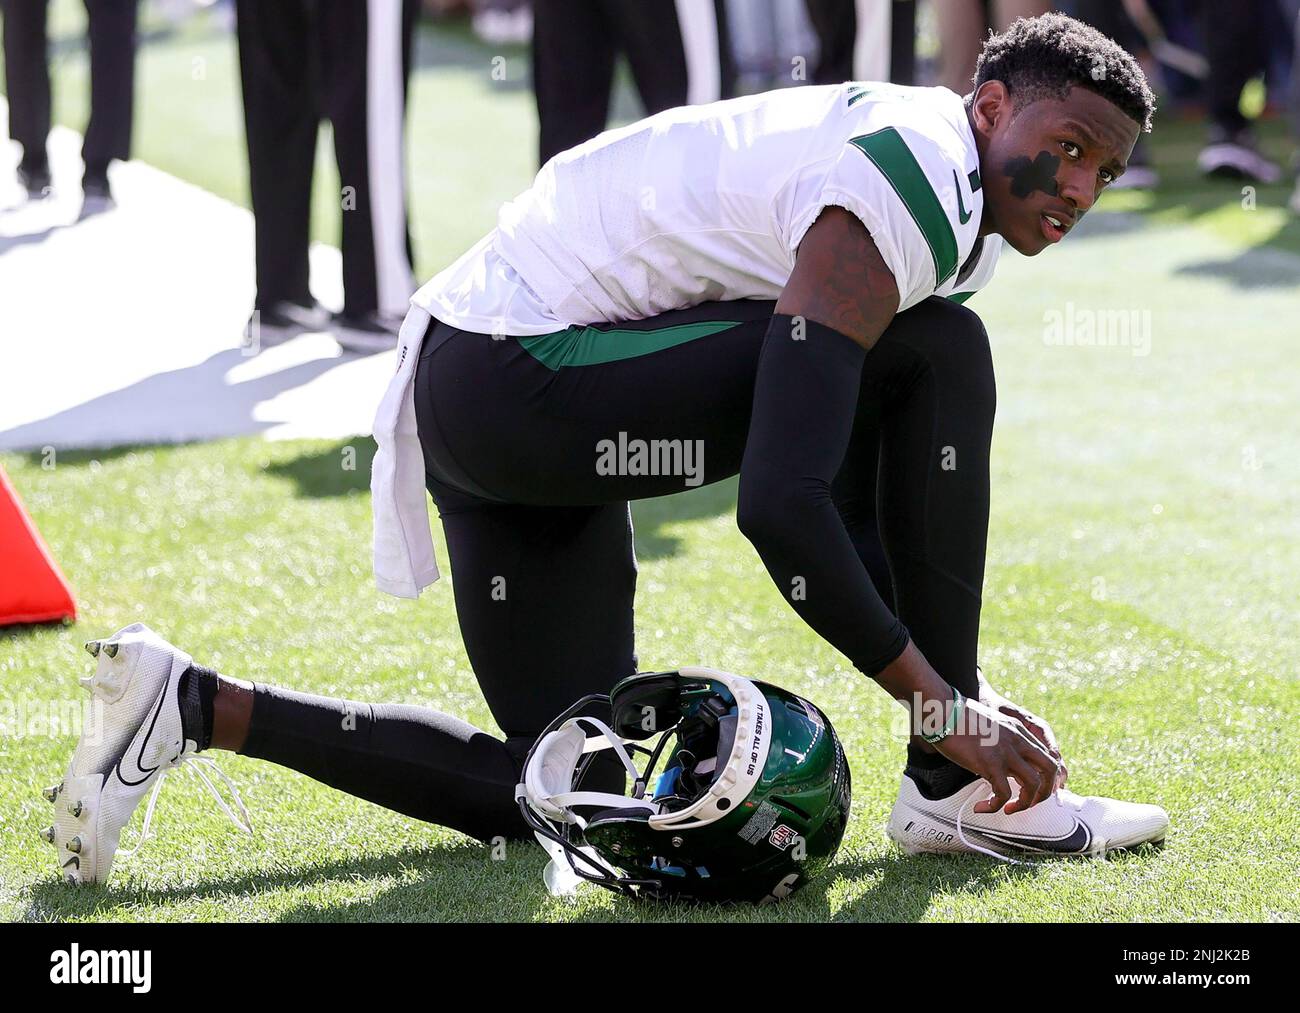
x=1073, y=843
x=74, y=861
x=1076, y=841
x=139, y=769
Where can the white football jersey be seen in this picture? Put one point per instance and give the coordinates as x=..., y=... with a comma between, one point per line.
x=710, y=202
x=695, y=204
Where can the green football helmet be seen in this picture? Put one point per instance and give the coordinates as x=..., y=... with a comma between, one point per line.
x=751, y=804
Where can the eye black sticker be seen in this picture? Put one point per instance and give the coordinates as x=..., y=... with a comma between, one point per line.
x=1027, y=176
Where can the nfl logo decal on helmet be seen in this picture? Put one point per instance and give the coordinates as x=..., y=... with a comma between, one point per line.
x=751, y=803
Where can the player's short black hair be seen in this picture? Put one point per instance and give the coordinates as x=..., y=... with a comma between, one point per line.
x=1044, y=57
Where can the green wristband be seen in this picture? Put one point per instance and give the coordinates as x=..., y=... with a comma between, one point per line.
x=949, y=726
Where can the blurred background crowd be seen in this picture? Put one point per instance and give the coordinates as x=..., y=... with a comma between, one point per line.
x=1223, y=65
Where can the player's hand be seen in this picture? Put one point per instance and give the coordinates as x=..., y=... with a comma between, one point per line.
x=999, y=747
x=1038, y=727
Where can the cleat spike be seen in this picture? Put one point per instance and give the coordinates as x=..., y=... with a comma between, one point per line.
x=52, y=792
x=71, y=878
x=92, y=647
x=111, y=650
x=76, y=808
x=74, y=845
x=47, y=835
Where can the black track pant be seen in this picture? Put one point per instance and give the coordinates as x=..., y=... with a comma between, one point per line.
x=1237, y=45
x=347, y=61
x=540, y=537
x=837, y=28
x=575, y=44
x=112, y=80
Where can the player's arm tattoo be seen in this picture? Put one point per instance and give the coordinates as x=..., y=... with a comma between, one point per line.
x=840, y=280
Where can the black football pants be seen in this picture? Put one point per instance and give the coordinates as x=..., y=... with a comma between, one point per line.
x=348, y=61
x=576, y=42
x=837, y=28
x=540, y=536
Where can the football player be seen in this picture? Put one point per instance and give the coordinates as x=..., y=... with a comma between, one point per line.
x=769, y=286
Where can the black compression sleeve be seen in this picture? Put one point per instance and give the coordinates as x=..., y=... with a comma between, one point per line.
x=805, y=399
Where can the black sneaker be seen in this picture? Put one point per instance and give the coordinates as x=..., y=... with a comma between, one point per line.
x=97, y=196
x=35, y=181
x=281, y=321
x=1236, y=156
x=97, y=186
x=307, y=314
x=366, y=333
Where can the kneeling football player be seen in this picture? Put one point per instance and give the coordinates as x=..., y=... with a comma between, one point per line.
x=769, y=286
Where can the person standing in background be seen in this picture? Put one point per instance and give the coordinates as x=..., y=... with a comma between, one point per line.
x=677, y=49
x=867, y=40
x=963, y=26
x=112, y=92
x=1237, y=43
x=347, y=61
x=772, y=44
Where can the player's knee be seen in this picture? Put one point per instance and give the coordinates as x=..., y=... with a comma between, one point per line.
x=963, y=360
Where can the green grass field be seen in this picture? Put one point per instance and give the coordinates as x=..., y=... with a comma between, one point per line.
x=1143, y=585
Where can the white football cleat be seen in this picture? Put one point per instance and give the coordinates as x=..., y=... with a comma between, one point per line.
x=1065, y=824
x=134, y=738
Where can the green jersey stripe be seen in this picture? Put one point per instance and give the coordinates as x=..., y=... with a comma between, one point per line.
x=591, y=346
x=891, y=155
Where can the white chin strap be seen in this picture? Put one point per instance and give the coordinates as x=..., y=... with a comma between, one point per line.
x=548, y=789
x=548, y=779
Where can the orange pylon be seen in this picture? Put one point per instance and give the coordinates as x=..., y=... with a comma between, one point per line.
x=32, y=589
